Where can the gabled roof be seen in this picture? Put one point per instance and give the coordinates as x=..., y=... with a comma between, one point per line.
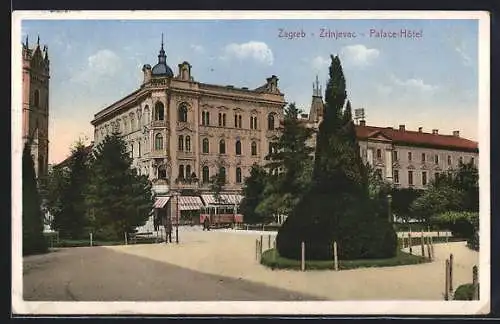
x=413, y=138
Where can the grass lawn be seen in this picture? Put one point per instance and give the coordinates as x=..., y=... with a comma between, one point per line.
x=82, y=243
x=273, y=260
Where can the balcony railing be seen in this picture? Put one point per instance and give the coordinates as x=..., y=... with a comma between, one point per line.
x=159, y=123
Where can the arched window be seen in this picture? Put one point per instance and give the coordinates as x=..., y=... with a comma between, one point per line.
x=188, y=143
x=238, y=147
x=222, y=147
x=158, y=142
x=206, y=146
x=181, y=143
x=222, y=174
x=36, y=98
x=188, y=171
x=162, y=172
x=205, y=174
x=145, y=119
x=238, y=175
x=181, y=171
x=159, y=111
x=240, y=121
x=270, y=121
x=254, y=148
x=205, y=118
x=183, y=113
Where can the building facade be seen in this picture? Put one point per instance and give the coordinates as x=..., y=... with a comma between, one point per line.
x=35, y=117
x=407, y=159
x=180, y=131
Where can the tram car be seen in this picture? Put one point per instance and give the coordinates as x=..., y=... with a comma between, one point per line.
x=218, y=216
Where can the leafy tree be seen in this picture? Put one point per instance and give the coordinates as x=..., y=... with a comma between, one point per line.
x=118, y=198
x=462, y=224
x=56, y=184
x=253, y=194
x=337, y=207
x=292, y=156
x=68, y=194
x=402, y=200
x=33, y=238
x=217, y=183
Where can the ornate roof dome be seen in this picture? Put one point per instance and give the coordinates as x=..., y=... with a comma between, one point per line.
x=162, y=69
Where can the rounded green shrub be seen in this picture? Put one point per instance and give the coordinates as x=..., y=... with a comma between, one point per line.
x=464, y=292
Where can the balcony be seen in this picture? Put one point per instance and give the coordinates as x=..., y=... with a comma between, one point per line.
x=157, y=154
x=185, y=155
x=159, y=123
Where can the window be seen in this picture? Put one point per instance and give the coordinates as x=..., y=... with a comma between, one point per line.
x=238, y=147
x=139, y=144
x=436, y=159
x=223, y=120
x=253, y=122
x=205, y=174
x=159, y=111
x=409, y=156
x=379, y=153
x=146, y=115
x=424, y=178
x=159, y=142
x=205, y=118
x=188, y=171
x=396, y=176
x=449, y=159
x=222, y=174
x=182, y=111
x=270, y=121
x=395, y=155
x=205, y=145
x=410, y=178
x=235, y=121
x=461, y=160
x=472, y=160
x=254, y=149
x=180, y=145
x=222, y=147
x=238, y=175
x=132, y=150
x=240, y=121
x=36, y=98
x=378, y=173
x=220, y=119
x=423, y=157
x=436, y=176
x=188, y=143
x=162, y=172
x=181, y=171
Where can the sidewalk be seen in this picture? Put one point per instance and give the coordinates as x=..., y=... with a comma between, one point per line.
x=232, y=254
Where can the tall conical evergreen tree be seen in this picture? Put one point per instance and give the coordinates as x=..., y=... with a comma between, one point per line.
x=33, y=238
x=337, y=207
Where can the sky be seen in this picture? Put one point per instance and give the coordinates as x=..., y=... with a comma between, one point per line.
x=429, y=81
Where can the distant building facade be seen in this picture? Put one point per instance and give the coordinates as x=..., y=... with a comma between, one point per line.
x=180, y=131
x=407, y=159
x=35, y=117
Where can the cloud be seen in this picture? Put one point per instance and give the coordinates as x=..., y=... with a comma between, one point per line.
x=384, y=89
x=258, y=51
x=104, y=63
x=197, y=48
x=460, y=49
x=416, y=84
x=359, y=55
x=319, y=62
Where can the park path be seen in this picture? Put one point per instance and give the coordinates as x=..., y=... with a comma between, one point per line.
x=231, y=253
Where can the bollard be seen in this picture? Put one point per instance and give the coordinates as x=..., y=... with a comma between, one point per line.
x=260, y=249
x=451, y=273
x=303, y=257
x=261, y=242
x=269, y=241
x=410, y=243
x=335, y=257
x=125, y=238
x=256, y=249
x=447, y=280
x=429, y=251
x=422, y=243
x=90, y=239
x=475, y=283
x=432, y=247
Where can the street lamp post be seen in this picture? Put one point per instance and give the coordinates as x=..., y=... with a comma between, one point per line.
x=177, y=225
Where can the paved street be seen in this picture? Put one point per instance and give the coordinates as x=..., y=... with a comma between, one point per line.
x=101, y=274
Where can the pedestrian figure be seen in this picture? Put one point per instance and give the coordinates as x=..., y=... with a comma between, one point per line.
x=206, y=224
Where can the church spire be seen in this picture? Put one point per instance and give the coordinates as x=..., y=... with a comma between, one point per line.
x=26, y=43
x=38, y=41
x=317, y=88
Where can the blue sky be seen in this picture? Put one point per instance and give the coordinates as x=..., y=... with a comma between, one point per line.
x=431, y=81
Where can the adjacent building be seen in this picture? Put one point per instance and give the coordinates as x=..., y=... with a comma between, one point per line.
x=406, y=158
x=181, y=131
x=35, y=117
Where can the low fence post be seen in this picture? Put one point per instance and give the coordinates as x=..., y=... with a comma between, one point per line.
x=422, y=244
x=269, y=241
x=90, y=238
x=256, y=249
x=447, y=281
x=475, y=283
x=335, y=256
x=429, y=250
x=451, y=273
x=432, y=247
x=410, y=243
x=303, y=257
x=126, y=242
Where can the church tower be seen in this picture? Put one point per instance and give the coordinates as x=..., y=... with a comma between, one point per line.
x=36, y=75
x=317, y=105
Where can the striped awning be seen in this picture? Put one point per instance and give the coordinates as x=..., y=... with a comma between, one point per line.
x=224, y=199
x=190, y=203
x=161, y=202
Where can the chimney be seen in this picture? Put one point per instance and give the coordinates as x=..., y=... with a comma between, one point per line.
x=420, y=129
x=146, y=69
x=435, y=131
x=362, y=122
x=456, y=133
x=401, y=127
